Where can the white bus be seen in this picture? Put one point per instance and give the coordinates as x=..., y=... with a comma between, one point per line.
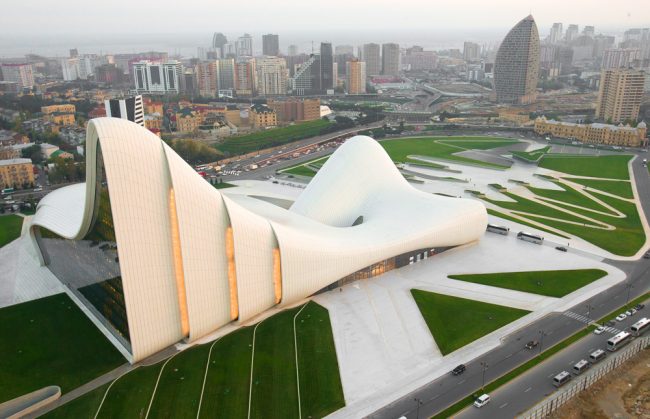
x=597, y=356
x=640, y=327
x=561, y=379
x=617, y=341
x=498, y=229
x=529, y=237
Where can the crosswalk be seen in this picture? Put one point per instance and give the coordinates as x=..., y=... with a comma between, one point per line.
x=587, y=320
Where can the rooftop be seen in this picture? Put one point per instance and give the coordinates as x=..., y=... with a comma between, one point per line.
x=10, y=162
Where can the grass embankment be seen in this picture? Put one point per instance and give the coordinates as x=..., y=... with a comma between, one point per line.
x=621, y=188
x=444, y=148
x=549, y=283
x=569, y=196
x=524, y=205
x=532, y=156
x=609, y=167
x=47, y=342
x=223, y=185
x=522, y=222
x=455, y=322
x=226, y=391
x=10, y=227
x=272, y=137
x=308, y=168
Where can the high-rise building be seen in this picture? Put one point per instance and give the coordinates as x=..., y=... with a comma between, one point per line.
x=108, y=73
x=245, y=77
x=620, y=57
x=390, y=59
x=272, y=76
x=294, y=109
x=158, y=78
x=371, y=55
x=589, y=31
x=206, y=77
x=356, y=77
x=417, y=59
x=244, y=46
x=471, y=51
x=343, y=50
x=571, y=33
x=620, y=95
x=306, y=79
x=218, y=42
x=21, y=74
x=517, y=64
x=270, y=45
x=327, y=78
x=555, y=35
x=343, y=54
x=226, y=74
x=130, y=108
x=292, y=51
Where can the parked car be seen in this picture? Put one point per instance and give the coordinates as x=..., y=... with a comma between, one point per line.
x=482, y=400
x=532, y=344
x=646, y=255
x=621, y=317
x=599, y=330
x=459, y=369
x=631, y=312
x=561, y=248
x=639, y=307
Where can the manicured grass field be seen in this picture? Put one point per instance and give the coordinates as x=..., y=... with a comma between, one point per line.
x=455, y=322
x=10, y=227
x=570, y=196
x=532, y=156
x=303, y=170
x=223, y=185
x=549, y=283
x=49, y=341
x=529, y=206
x=226, y=391
x=272, y=137
x=443, y=148
x=610, y=166
x=507, y=217
x=619, y=188
x=83, y=407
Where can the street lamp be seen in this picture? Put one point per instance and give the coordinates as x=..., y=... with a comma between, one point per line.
x=541, y=341
x=419, y=403
x=484, y=365
x=589, y=308
x=629, y=289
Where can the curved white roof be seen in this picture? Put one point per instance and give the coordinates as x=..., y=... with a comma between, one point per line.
x=192, y=260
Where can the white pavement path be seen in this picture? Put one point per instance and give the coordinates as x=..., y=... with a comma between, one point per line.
x=384, y=347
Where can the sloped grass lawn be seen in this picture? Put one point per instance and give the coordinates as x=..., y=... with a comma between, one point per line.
x=443, y=148
x=522, y=222
x=47, y=342
x=303, y=170
x=610, y=166
x=548, y=283
x=455, y=322
x=10, y=227
x=570, y=196
x=532, y=156
x=130, y=395
x=83, y=407
x=618, y=188
x=527, y=205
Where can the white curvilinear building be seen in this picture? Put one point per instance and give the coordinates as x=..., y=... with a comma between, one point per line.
x=158, y=255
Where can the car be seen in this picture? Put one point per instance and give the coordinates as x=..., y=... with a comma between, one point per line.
x=459, y=369
x=482, y=400
x=599, y=330
x=531, y=344
x=631, y=312
x=621, y=317
x=561, y=248
x=639, y=307
x=646, y=255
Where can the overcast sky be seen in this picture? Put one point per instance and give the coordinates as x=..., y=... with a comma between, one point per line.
x=278, y=16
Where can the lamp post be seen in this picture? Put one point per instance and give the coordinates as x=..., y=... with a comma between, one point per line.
x=484, y=365
x=589, y=308
x=629, y=289
x=541, y=341
x=419, y=403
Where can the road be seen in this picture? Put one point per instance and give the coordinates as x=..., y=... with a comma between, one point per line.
x=516, y=397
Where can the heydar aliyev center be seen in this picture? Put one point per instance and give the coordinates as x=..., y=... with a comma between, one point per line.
x=158, y=255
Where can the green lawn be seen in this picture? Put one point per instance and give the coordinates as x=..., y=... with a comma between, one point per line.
x=455, y=322
x=10, y=227
x=532, y=156
x=83, y=407
x=223, y=185
x=570, y=196
x=320, y=394
x=529, y=206
x=619, y=188
x=272, y=137
x=304, y=170
x=549, y=283
x=609, y=166
x=49, y=341
x=443, y=148
x=227, y=381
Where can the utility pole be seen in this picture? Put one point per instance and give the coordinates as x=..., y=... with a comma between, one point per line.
x=541, y=341
x=419, y=403
x=484, y=366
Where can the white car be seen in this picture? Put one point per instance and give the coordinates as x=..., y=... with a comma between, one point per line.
x=599, y=330
x=621, y=317
x=482, y=401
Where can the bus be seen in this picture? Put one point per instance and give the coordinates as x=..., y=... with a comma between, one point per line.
x=561, y=379
x=529, y=237
x=617, y=341
x=498, y=229
x=640, y=327
x=597, y=356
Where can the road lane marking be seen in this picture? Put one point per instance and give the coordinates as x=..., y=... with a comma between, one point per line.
x=528, y=389
x=503, y=405
x=551, y=375
x=509, y=356
x=461, y=382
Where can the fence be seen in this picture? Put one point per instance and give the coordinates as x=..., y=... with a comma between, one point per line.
x=555, y=401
